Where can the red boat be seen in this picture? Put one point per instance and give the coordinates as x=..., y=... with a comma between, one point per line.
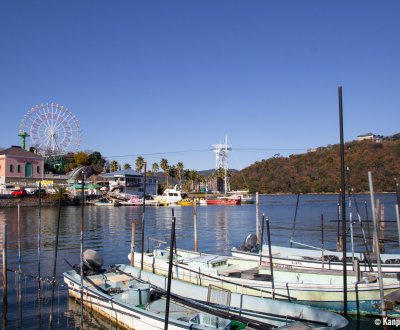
x=223, y=201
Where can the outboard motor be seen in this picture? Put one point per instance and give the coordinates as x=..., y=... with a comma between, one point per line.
x=92, y=262
x=250, y=243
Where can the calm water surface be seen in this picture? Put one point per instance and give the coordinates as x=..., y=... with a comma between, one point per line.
x=108, y=230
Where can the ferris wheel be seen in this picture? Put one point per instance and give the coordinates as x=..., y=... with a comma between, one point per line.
x=53, y=129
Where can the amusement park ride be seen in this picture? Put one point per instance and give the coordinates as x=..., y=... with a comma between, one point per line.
x=53, y=131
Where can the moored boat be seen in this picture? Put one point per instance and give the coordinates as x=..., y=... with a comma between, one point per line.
x=136, y=299
x=289, y=257
x=223, y=201
x=322, y=289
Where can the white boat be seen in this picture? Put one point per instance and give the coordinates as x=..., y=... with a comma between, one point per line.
x=150, y=201
x=288, y=257
x=170, y=195
x=129, y=303
x=322, y=289
x=106, y=202
x=136, y=299
x=245, y=197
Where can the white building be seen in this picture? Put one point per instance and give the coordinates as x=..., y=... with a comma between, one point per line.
x=130, y=182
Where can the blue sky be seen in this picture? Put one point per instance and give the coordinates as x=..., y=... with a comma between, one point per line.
x=168, y=79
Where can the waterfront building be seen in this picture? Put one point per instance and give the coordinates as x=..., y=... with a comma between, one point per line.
x=130, y=182
x=18, y=165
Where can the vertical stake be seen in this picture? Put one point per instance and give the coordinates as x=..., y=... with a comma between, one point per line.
x=294, y=220
x=257, y=221
x=196, y=246
x=171, y=254
x=343, y=202
x=322, y=241
x=398, y=220
x=4, y=264
x=39, y=225
x=270, y=259
x=375, y=237
x=262, y=239
x=133, y=243
x=82, y=228
x=143, y=213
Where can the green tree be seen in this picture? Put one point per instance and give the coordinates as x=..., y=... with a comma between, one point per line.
x=97, y=162
x=114, y=166
x=165, y=167
x=139, y=163
x=155, y=168
x=127, y=166
x=179, y=172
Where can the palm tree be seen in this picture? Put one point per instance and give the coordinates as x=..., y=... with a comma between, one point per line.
x=165, y=167
x=155, y=168
x=192, y=176
x=114, y=166
x=179, y=170
x=139, y=163
x=127, y=166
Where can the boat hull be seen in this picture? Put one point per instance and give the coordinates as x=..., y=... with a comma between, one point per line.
x=362, y=299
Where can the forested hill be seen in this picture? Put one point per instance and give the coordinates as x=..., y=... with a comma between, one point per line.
x=319, y=171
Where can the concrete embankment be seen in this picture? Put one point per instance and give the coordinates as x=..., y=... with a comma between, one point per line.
x=48, y=200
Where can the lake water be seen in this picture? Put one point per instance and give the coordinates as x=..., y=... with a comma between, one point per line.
x=108, y=230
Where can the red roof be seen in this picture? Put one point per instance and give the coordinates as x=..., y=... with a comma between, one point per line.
x=17, y=151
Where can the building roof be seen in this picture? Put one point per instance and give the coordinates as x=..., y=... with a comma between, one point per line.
x=122, y=173
x=16, y=151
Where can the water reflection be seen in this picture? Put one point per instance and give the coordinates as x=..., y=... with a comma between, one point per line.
x=108, y=230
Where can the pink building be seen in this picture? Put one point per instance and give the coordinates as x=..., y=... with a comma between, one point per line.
x=19, y=165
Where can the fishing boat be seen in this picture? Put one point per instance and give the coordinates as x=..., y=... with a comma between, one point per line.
x=322, y=289
x=137, y=201
x=170, y=195
x=245, y=196
x=106, y=202
x=289, y=257
x=223, y=201
x=132, y=303
x=185, y=202
x=136, y=299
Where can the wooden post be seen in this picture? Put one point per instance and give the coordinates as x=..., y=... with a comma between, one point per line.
x=382, y=230
x=262, y=239
x=195, y=225
x=171, y=260
x=4, y=264
x=270, y=259
x=398, y=220
x=143, y=214
x=376, y=213
x=257, y=221
x=375, y=237
x=133, y=243
x=322, y=241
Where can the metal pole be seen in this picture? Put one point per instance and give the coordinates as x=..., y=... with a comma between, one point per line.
x=398, y=220
x=294, y=220
x=262, y=238
x=270, y=259
x=343, y=206
x=4, y=264
x=19, y=241
x=53, y=281
x=257, y=221
x=82, y=228
x=133, y=244
x=39, y=225
x=143, y=213
x=196, y=245
x=378, y=254
x=171, y=254
x=322, y=241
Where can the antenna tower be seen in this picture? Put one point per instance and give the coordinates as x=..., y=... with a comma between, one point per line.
x=221, y=159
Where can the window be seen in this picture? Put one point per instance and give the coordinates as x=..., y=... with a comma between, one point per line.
x=28, y=170
x=11, y=168
x=38, y=169
x=19, y=168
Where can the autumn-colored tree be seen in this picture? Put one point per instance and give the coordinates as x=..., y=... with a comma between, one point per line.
x=81, y=159
x=114, y=166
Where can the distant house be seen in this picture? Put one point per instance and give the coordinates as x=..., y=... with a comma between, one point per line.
x=130, y=182
x=370, y=136
x=20, y=166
